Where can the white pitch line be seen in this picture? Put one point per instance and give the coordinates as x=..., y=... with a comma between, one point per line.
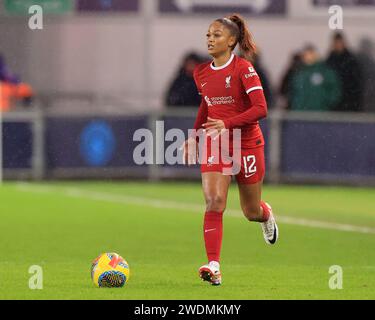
x=167, y=204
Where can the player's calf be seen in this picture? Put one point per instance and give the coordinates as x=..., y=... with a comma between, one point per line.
x=253, y=213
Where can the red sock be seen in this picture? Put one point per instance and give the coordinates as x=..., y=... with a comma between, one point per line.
x=266, y=211
x=213, y=234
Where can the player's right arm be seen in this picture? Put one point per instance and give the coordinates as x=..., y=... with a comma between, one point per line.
x=201, y=115
x=203, y=108
x=190, y=146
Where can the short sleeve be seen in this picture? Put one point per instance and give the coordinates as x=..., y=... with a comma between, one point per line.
x=250, y=79
x=196, y=80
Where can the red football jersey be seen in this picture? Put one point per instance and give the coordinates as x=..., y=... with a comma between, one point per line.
x=226, y=93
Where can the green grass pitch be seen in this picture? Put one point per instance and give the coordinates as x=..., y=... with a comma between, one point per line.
x=157, y=228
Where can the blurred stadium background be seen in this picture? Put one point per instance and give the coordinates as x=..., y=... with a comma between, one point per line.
x=101, y=69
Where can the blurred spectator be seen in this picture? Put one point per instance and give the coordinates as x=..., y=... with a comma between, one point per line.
x=263, y=75
x=348, y=70
x=11, y=88
x=183, y=91
x=286, y=82
x=5, y=74
x=315, y=86
x=367, y=63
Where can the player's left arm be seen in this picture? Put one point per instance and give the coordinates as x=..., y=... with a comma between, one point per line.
x=258, y=105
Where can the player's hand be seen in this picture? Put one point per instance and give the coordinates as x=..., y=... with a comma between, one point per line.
x=214, y=127
x=190, y=151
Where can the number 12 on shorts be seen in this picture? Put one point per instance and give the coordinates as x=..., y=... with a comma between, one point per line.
x=249, y=165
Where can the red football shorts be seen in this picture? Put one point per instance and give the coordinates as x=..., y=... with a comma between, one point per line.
x=251, y=167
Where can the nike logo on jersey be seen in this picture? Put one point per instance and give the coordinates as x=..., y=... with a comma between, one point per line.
x=203, y=84
x=208, y=230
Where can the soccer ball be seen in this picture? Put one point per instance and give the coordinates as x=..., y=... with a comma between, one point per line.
x=109, y=270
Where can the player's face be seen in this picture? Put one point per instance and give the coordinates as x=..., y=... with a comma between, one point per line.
x=219, y=39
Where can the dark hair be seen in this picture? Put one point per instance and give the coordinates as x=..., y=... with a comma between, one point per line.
x=192, y=56
x=309, y=47
x=238, y=28
x=338, y=36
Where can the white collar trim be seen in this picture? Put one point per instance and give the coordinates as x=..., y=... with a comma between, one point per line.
x=223, y=66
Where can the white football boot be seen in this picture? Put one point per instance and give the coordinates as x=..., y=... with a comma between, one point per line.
x=270, y=230
x=211, y=272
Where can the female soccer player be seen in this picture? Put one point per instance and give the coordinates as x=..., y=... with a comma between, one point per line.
x=232, y=98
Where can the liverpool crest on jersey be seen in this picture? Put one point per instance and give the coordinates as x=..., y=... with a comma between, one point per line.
x=227, y=81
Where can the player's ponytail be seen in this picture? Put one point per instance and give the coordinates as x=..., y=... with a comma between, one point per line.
x=238, y=27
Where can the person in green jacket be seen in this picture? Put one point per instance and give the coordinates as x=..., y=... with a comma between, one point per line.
x=315, y=87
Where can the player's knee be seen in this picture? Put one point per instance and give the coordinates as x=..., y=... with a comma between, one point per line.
x=215, y=203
